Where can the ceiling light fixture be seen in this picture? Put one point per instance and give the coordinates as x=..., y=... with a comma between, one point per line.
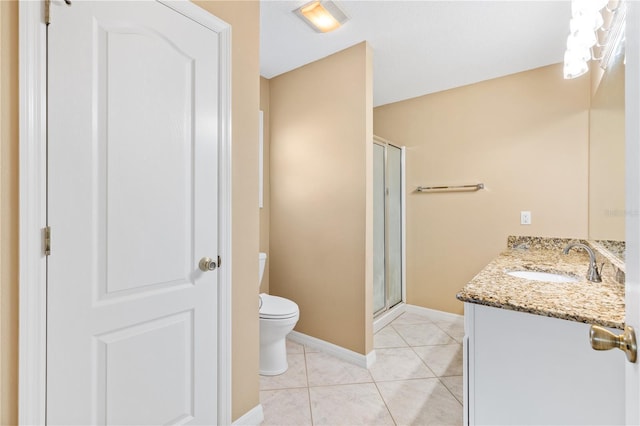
x=586, y=26
x=322, y=15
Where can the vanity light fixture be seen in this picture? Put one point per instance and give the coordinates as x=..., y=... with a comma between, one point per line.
x=322, y=15
x=586, y=31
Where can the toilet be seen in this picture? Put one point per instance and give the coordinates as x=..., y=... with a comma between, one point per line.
x=278, y=316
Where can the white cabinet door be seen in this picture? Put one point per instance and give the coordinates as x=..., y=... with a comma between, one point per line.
x=534, y=370
x=132, y=204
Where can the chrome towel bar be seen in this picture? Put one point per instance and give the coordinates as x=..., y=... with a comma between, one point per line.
x=475, y=187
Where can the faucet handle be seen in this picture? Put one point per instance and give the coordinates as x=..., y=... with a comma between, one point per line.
x=593, y=274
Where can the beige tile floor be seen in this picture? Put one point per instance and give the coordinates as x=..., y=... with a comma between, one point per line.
x=416, y=380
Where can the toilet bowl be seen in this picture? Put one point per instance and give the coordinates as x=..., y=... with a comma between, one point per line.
x=278, y=316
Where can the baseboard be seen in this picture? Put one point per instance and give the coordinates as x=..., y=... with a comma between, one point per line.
x=368, y=360
x=384, y=319
x=253, y=417
x=344, y=354
x=432, y=313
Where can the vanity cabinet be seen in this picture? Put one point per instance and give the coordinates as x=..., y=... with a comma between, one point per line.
x=522, y=368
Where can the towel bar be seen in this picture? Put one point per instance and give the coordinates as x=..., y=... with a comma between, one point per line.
x=475, y=187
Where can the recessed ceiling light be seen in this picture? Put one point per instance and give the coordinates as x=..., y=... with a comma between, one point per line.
x=322, y=15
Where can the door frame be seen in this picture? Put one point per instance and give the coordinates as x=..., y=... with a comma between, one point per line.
x=632, y=200
x=33, y=208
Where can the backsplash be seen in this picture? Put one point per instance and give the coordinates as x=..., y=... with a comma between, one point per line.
x=540, y=243
x=617, y=248
x=614, y=254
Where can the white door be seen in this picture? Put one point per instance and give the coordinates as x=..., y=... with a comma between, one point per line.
x=132, y=206
x=632, y=220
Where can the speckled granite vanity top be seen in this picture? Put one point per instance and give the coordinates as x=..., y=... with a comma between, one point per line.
x=581, y=301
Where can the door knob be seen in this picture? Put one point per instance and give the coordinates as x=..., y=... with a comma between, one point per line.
x=602, y=340
x=207, y=264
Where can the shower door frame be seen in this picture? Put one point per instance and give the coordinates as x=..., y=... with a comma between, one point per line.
x=403, y=220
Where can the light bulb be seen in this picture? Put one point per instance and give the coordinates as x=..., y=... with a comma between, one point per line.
x=582, y=32
x=574, y=66
x=588, y=20
x=579, y=53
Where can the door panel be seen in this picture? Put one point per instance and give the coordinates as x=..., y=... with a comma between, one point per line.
x=145, y=386
x=394, y=183
x=132, y=187
x=379, y=255
x=126, y=60
x=387, y=227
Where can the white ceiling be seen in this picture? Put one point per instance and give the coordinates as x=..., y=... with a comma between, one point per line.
x=422, y=47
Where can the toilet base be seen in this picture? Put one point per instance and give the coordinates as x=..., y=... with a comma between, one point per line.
x=273, y=358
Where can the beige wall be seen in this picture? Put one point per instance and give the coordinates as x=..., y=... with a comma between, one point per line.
x=266, y=209
x=321, y=199
x=525, y=136
x=606, y=155
x=244, y=18
x=8, y=212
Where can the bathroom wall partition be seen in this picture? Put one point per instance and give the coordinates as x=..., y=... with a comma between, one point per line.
x=388, y=223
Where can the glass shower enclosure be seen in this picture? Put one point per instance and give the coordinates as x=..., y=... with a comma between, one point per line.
x=387, y=222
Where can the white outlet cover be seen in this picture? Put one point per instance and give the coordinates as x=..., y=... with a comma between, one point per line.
x=525, y=218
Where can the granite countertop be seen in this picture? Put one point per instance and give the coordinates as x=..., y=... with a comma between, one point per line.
x=583, y=301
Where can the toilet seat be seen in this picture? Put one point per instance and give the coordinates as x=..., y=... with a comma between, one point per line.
x=274, y=307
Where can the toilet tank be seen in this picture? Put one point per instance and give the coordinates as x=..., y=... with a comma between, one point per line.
x=262, y=260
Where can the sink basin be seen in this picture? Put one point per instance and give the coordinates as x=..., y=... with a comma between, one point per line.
x=543, y=276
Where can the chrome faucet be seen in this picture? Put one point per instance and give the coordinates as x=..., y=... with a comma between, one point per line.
x=592, y=274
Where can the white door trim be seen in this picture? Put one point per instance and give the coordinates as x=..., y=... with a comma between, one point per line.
x=632, y=195
x=33, y=264
x=33, y=125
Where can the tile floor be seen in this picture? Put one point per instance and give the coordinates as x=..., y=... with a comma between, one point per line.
x=416, y=380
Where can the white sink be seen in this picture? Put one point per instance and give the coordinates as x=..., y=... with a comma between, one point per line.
x=543, y=276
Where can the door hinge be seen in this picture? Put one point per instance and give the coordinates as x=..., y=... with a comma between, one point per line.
x=47, y=10
x=47, y=240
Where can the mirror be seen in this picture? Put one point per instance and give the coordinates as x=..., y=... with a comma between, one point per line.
x=607, y=153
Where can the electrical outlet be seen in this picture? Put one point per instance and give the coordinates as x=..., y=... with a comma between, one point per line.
x=525, y=218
